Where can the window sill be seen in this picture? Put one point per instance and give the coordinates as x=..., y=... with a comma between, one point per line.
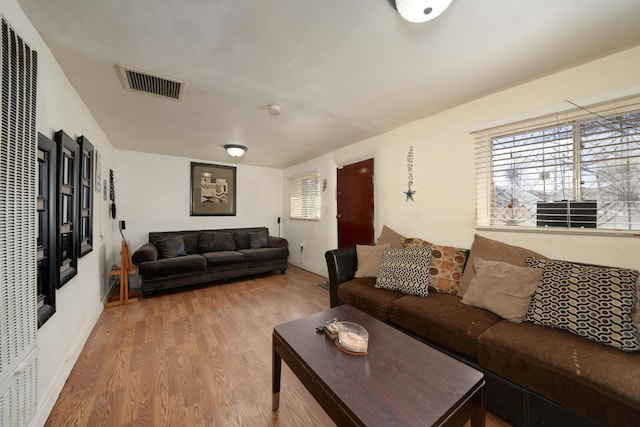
x=560, y=230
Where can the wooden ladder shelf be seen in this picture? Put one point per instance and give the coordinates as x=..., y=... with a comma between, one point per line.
x=125, y=269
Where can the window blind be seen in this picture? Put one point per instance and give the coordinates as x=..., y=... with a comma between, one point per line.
x=304, y=196
x=578, y=168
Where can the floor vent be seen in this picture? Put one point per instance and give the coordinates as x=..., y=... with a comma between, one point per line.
x=144, y=82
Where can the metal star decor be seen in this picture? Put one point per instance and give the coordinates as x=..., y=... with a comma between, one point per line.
x=409, y=193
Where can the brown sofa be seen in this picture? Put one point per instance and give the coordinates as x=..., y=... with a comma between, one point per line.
x=535, y=375
x=173, y=259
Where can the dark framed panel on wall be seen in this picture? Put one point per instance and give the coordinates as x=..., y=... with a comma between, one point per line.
x=69, y=158
x=85, y=182
x=47, y=263
x=213, y=189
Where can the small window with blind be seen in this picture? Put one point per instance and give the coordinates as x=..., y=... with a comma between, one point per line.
x=579, y=169
x=304, y=196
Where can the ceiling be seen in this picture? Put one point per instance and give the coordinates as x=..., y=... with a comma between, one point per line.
x=341, y=71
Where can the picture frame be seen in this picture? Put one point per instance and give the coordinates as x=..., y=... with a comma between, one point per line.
x=213, y=190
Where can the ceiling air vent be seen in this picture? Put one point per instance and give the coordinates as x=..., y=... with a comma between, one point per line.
x=144, y=82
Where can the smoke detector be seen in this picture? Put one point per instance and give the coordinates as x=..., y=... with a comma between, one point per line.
x=273, y=109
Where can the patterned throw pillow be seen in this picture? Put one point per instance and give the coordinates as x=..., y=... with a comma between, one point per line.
x=405, y=270
x=447, y=265
x=590, y=301
x=258, y=240
x=170, y=248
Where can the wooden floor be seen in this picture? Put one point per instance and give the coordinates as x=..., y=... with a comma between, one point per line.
x=198, y=357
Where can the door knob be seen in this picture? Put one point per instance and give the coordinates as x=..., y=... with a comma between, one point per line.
x=338, y=216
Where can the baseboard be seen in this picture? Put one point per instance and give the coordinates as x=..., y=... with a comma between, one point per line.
x=311, y=269
x=51, y=396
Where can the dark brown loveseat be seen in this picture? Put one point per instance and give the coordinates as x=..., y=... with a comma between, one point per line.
x=181, y=258
x=535, y=375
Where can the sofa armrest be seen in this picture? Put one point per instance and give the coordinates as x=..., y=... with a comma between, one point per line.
x=146, y=252
x=341, y=265
x=278, y=242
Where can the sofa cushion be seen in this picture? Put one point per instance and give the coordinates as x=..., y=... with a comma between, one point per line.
x=502, y=288
x=361, y=294
x=223, y=258
x=590, y=301
x=183, y=264
x=264, y=254
x=447, y=265
x=171, y=247
x=493, y=250
x=258, y=240
x=391, y=237
x=598, y=382
x=443, y=320
x=211, y=241
x=406, y=270
x=369, y=258
x=241, y=239
x=191, y=241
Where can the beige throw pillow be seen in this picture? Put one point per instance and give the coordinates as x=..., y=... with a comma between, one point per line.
x=388, y=236
x=493, y=250
x=502, y=288
x=369, y=258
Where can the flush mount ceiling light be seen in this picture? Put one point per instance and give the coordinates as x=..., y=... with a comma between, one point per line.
x=421, y=10
x=235, y=150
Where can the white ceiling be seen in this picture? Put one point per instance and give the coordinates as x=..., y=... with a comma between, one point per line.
x=341, y=70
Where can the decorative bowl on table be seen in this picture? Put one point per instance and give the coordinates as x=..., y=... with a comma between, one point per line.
x=352, y=338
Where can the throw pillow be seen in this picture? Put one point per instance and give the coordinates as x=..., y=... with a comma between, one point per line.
x=502, y=288
x=258, y=240
x=170, y=248
x=406, y=270
x=590, y=301
x=369, y=259
x=212, y=241
x=388, y=236
x=447, y=265
x=493, y=250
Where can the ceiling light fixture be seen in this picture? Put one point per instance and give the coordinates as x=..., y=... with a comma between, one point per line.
x=235, y=150
x=273, y=109
x=421, y=10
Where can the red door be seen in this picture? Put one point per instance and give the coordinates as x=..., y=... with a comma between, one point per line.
x=355, y=204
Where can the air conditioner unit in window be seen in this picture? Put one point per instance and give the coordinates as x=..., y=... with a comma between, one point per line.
x=568, y=214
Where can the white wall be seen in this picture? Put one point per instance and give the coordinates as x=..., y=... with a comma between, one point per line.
x=444, y=207
x=152, y=194
x=80, y=301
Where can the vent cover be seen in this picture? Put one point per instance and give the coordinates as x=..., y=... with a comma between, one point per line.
x=140, y=81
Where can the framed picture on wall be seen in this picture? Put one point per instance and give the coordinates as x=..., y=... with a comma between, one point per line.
x=213, y=189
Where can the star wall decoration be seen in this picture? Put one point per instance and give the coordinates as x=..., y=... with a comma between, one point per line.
x=409, y=193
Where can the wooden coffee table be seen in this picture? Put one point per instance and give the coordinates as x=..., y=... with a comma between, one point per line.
x=400, y=381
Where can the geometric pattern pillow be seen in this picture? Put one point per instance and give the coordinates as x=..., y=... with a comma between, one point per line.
x=590, y=301
x=258, y=240
x=447, y=265
x=405, y=270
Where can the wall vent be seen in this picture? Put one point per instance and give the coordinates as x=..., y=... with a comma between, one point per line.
x=140, y=81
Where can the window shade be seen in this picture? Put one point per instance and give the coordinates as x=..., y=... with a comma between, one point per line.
x=304, y=196
x=584, y=154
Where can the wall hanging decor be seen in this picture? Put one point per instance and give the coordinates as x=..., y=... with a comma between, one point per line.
x=409, y=193
x=213, y=189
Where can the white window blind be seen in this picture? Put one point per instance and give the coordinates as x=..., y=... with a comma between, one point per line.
x=577, y=169
x=304, y=196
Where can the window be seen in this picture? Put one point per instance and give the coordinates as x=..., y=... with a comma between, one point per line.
x=579, y=169
x=304, y=196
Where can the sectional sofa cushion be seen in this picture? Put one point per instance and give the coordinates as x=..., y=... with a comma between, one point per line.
x=493, y=250
x=599, y=382
x=264, y=254
x=406, y=270
x=171, y=247
x=443, y=320
x=177, y=265
x=447, y=265
x=590, y=301
x=369, y=258
x=211, y=241
x=362, y=294
x=502, y=288
x=219, y=258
